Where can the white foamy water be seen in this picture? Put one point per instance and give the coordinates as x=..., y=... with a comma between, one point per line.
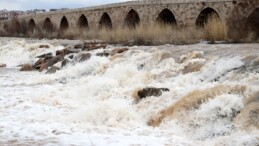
x=91, y=103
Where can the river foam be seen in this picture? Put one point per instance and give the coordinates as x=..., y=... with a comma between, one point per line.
x=92, y=102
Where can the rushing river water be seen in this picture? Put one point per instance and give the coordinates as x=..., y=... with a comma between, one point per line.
x=213, y=97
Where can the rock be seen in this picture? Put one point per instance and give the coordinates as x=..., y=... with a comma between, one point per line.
x=44, y=46
x=146, y=92
x=69, y=51
x=85, y=57
x=26, y=67
x=79, y=46
x=52, y=70
x=71, y=56
x=64, y=62
x=104, y=54
x=38, y=63
x=2, y=65
x=93, y=46
x=51, y=62
x=45, y=55
x=192, y=67
x=63, y=52
x=118, y=51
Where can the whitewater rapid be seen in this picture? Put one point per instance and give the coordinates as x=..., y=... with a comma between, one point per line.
x=92, y=102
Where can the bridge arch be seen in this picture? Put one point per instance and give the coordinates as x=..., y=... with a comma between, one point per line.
x=47, y=25
x=31, y=25
x=64, y=24
x=166, y=17
x=132, y=19
x=105, y=21
x=252, y=23
x=205, y=15
x=83, y=22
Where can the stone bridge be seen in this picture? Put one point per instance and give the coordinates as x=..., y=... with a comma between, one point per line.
x=237, y=14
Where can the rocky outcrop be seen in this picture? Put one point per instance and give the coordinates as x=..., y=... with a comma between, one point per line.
x=52, y=70
x=85, y=57
x=51, y=62
x=2, y=65
x=26, y=67
x=44, y=46
x=118, y=51
x=147, y=92
x=45, y=55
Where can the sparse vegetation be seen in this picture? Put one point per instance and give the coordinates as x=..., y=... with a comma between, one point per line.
x=155, y=34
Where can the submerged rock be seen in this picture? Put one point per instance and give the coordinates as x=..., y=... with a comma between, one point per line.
x=150, y=91
x=85, y=57
x=44, y=46
x=2, y=65
x=52, y=70
x=78, y=46
x=104, y=54
x=26, y=67
x=47, y=55
x=118, y=51
x=64, y=62
x=51, y=62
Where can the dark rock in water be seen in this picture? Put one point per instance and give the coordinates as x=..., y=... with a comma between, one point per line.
x=69, y=51
x=85, y=57
x=93, y=46
x=44, y=46
x=146, y=92
x=78, y=46
x=71, y=56
x=104, y=54
x=64, y=62
x=2, y=65
x=63, y=52
x=27, y=67
x=118, y=51
x=52, y=70
x=51, y=62
x=38, y=63
x=45, y=55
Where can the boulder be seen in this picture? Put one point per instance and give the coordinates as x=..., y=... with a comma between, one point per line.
x=85, y=57
x=69, y=51
x=79, y=46
x=71, y=56
x=51, y=62
x=52, y=70
x=104, y=54
x=118, y=51
x=45, y=55
x=63, y=52
x=44, y=46
x=150, y=91
x=26, y=67
x=64, y=62
x=38, y=63
x=93, y=46
x=2, y=65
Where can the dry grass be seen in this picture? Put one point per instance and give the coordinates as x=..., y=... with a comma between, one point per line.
x=154, y=34
x=215, y=29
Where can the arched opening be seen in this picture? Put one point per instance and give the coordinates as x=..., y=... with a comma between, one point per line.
x=64, y=24
x=105, y=21
x=31, y=25
x=166, y=17
x=82, y=22
x=47, y=25
x=252, y=23
x=132, y=19
x=205, y=15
